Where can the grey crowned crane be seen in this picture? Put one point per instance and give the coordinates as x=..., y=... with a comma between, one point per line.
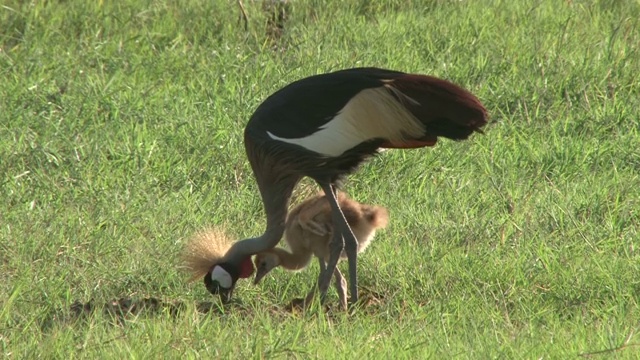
x=324, y=127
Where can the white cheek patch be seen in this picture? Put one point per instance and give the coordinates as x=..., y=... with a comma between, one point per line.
x=222, y=277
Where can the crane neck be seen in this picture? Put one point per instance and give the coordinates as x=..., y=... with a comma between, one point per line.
x=292, y=261
x=276, y=192
x=275, y=229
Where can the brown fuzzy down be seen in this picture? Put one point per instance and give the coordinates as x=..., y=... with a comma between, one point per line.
x=377, y=216
x=203, y=250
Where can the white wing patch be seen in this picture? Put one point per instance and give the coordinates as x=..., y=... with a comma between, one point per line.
x=372, y=113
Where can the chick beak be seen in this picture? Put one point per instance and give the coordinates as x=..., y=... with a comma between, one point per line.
x=260, y=273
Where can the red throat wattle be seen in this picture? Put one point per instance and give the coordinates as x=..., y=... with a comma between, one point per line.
x=246, y=267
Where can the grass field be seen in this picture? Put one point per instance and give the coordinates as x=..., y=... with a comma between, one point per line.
x=121, y=134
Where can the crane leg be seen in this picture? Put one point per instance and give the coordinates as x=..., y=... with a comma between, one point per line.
x=343, y=238
x=335, y=249
x=309, y=298
x=340, y=284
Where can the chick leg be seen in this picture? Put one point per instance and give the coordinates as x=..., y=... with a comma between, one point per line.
x=341, y=287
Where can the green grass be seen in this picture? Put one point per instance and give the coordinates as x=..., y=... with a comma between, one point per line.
x=121, y=134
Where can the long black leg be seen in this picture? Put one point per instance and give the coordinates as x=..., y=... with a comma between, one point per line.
x=343, y=237
x=335, y=247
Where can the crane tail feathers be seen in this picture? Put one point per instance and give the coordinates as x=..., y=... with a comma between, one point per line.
x=443, y=108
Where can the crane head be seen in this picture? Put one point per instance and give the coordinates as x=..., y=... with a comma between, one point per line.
x=222, y=278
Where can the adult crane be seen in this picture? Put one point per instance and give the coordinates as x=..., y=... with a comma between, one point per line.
x=324, y=127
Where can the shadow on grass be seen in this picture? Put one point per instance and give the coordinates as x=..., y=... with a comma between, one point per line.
x=125, y=308
x=119, y=310
x=368, y=303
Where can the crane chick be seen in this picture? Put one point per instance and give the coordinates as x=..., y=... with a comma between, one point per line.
x=309, y=230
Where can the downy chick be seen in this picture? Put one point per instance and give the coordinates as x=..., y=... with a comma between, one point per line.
x=309, y=230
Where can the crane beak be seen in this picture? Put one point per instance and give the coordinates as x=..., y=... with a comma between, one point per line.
x=215, y=288
x=220, y=282
x=225, y=295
